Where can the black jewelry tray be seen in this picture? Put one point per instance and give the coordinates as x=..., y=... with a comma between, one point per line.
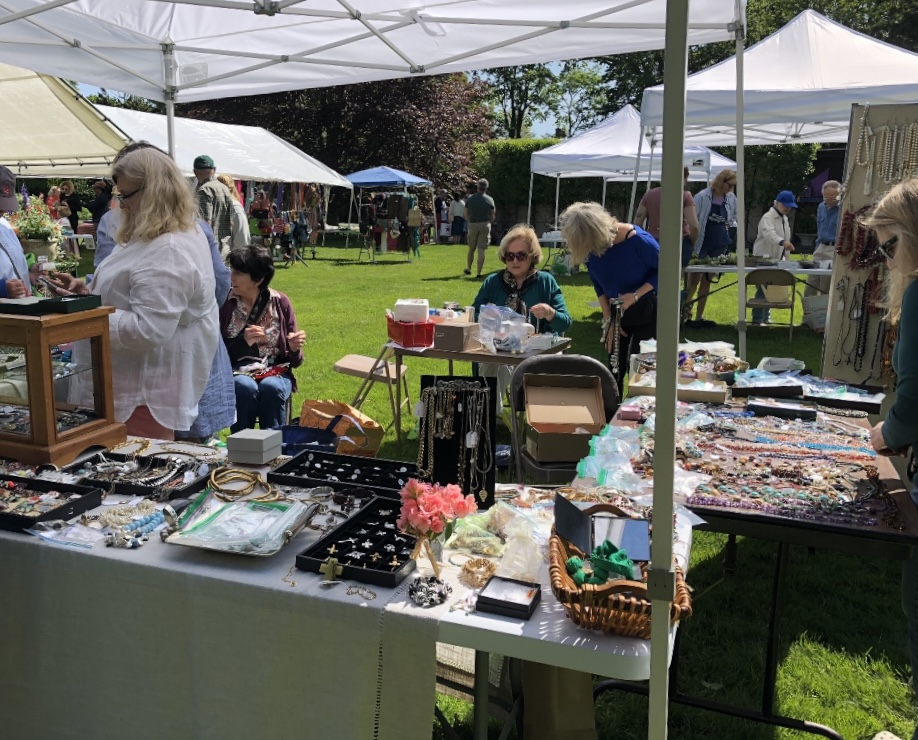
x=127, y=488
x=786, y=410
x=768, y=391
x=381, y=477
x=90, y=498
x=314, y=556
x=505, y=608
x=871, y=407
x=67, y=304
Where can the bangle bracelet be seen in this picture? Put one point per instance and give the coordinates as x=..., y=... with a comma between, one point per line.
x=475, y=573
x=636, y=299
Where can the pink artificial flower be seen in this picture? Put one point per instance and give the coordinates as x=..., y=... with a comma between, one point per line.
x=437, y=525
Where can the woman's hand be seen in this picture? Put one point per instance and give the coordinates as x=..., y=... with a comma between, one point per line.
x=627, y=300
x=543, y=311
x=64, y=284
x=879, y=443
x=296, y=340
x=15, y=289
x=253, y=335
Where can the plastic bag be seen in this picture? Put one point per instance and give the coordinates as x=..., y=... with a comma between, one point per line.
x=470, y=535
x=502, y=329
x=68, y=535
x=616, y=440
x=523, y=557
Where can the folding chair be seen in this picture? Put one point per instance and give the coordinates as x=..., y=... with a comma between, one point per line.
x=774, y=276
x=372, y=371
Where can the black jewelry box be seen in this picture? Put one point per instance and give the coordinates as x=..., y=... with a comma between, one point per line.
x=129, y=488
x=89, y=498
x=313, y=468
x=373, y=524
x=783, y=409
x=509, y=597
x=768, y=391
x=66, y=304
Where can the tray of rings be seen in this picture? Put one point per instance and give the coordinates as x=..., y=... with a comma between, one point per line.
x=162, y=475
x=314, y=467
x=26, y=501
x=368, y=548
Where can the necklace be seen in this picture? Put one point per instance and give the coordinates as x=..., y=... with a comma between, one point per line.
x=209, y=453
x=426, y=433
x=841, y=287
x=144, y=445
x=616, y=328
x=863, y=317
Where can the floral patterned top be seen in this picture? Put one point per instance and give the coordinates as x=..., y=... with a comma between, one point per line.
x=269, y=321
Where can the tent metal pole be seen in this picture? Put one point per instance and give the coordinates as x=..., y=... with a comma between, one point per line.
x=637, y=173
x=350, y=213
x=661, y=577
x=529, y=206
x=604, y=183
x=169, y=94
x=557, y=194
x=740, y=186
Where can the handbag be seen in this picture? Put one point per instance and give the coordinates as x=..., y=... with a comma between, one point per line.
x=641, y=313
x=349, y=423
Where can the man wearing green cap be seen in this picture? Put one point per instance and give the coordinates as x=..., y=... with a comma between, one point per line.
x=215, y=202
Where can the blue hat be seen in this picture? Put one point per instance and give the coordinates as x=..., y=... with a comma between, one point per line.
x=786, y=199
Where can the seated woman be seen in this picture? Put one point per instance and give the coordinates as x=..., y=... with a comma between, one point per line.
x=259, y=328
x=522, y=286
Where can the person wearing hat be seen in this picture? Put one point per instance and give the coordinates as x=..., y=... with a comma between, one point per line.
x=14, y=270
x=215, y=202
x=479, y=215
x=772, y=242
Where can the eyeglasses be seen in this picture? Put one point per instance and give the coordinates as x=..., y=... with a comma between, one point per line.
x=519, y=256
x=126, y=196
x=887, y=248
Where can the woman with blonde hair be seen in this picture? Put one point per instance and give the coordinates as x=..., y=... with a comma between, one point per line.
x=716, y=208
x=73, y=200
x=895, y=221
x=622, y=261
x=238, y=219
x=522, y=287
x=159, y=278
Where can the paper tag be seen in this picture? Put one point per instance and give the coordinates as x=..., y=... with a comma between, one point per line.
x=840, y=306
x=419, y=409
x=857, y=313
x=459, y=408
x=471, y=439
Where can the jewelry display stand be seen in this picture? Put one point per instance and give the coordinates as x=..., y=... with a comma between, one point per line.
x=442, y=465
x=882, y=151
x=38, y=423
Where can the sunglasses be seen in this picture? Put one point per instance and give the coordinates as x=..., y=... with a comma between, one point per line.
x=887, y=248
x=127, y=196
x=518, y=256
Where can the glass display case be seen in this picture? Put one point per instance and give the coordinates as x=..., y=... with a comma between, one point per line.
x=51, y=406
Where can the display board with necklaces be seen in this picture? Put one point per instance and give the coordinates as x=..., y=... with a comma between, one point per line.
x=456, y=441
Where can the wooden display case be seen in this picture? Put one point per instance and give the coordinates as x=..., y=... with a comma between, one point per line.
x=50, y=410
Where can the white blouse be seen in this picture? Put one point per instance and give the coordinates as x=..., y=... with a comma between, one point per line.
x=165, y=329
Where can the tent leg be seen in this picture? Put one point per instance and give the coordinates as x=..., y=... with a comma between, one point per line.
x=604, y=183
x=557, y=201
x=529, y=206
x=637, y=173
x=170, y=92
x=740, y=190
x=350, y=213
x=662, y=575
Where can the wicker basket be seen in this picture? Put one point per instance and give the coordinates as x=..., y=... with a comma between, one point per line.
x=620, y=607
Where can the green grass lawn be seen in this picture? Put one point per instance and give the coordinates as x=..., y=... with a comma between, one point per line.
x=843, y=645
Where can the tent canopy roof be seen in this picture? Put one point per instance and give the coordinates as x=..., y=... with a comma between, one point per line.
x=227, y=47
x=385, y=177
x=610, y=150
x=799, y=86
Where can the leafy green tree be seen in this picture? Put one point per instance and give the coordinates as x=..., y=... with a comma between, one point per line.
x=520, y=96
x=580, y=97
x=121, y=100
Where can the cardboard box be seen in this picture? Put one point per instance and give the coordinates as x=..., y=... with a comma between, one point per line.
x=456, y=336
x=563, y=412
x=717, y=395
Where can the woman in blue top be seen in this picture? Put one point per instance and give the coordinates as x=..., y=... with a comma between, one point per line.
x=622, y=261
x=716, y=207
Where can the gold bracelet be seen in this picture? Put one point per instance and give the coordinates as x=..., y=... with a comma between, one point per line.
x=210, y=454
x=144, y=445
x=220, y=477
x=475, y=573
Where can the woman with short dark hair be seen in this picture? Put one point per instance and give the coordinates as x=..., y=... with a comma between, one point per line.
x=259, y=328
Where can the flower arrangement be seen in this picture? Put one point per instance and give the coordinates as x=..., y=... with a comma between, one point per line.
x=430, y=510
x=34, y=221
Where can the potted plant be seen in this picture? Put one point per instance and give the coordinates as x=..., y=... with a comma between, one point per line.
x=38, y=232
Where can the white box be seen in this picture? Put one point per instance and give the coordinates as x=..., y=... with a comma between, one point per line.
x=780, y=364
x=254, y=446
x=261, y=457
x=413, y=310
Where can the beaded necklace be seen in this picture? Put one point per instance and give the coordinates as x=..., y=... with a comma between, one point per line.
x=863, y=317
x=841, y=287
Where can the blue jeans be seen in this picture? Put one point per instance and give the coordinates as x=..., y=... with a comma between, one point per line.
x=760, y=315
x=264, y=401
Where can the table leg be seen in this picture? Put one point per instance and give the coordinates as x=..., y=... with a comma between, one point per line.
x=480, y=709
x=451, y=368
x=398, y=396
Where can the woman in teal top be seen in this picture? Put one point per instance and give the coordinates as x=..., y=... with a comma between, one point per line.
x=895, y=221
x=523, y=287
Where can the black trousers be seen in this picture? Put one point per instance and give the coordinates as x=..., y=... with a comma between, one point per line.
x=631, y=345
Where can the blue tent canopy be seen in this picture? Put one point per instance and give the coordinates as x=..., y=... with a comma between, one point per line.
x=384, y=177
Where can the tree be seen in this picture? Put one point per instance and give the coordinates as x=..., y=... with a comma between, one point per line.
x=580, y=97
x=520, y=96
x=425, y=125
x=122, y=100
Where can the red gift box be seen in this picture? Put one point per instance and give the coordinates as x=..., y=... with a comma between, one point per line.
x=410, y=334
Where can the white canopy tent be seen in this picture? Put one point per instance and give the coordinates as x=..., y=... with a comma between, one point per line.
x=43, y=124
x=795, y=86
x=184, y=50
x=798, y=85
x=612, y=150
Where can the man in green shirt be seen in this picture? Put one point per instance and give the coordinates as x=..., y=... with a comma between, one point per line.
x=479, y=215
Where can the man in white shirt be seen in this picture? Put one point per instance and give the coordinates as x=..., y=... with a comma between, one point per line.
x=773, y=242
x=14, y=270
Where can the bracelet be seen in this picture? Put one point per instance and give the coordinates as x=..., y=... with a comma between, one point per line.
x=427, y=591
x=361, y=591
x=219, y=477
x=475, y=573
x=636, y=299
